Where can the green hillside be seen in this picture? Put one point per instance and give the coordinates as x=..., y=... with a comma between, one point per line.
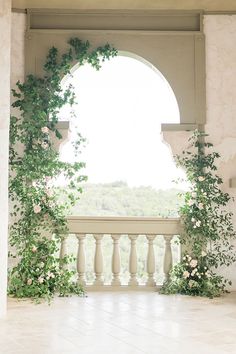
x=118, y=199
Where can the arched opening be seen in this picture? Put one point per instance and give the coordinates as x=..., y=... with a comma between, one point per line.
x=130, y=169
x=120, y=110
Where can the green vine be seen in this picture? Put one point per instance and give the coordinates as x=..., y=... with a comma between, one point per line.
x=208, y=228
x=37, y=212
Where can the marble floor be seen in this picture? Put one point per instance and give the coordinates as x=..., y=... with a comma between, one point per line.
x=121, y=323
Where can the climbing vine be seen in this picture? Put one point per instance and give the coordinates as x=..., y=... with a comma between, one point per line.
x=207, y=225
x=37, y=211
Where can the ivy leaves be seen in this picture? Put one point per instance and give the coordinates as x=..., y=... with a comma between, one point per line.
x=207, y=224
x=35, y=165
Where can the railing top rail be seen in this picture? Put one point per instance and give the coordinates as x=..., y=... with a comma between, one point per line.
x=123, y=225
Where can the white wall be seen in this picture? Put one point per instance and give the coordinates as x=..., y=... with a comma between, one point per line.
x=220, y=33
x=5, y=25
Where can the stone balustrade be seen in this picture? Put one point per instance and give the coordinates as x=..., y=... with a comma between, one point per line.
x=115, y=227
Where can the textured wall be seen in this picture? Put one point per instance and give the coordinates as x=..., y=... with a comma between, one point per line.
x=221, y=99
x=220, y=33
x=5, y=22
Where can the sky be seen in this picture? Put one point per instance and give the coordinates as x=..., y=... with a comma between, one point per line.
x=119, y=112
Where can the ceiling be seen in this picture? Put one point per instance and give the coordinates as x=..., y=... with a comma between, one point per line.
x=207, y=5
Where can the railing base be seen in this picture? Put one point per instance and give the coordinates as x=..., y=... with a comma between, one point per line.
x=90, y=288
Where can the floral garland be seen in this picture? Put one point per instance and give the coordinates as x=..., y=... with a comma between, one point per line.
x=208, y=228
x=39, y=208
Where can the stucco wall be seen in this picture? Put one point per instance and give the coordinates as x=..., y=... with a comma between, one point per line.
x=5, y=21
x=220, y=31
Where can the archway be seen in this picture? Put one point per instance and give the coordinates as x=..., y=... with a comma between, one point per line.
x=120, y=111
x=130, y=168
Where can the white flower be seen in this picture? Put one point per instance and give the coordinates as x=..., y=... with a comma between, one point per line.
x=49, y=192
x=200, y=206
x=184, y=258
x=198, y=223
x=41, y=265
x=192, y=283
x=45, y=145
x=37, y=209
x=201, y=178
x=34, y=249
x=186, y=274
x=40, y=280
x=194, y=194
x=34, y=184
x=193, y=263
x=194, y=226
x=190, y=202
x=193, y=220
x=51, y=204
x=203, y=254
x=189, y=257
x=208, y=274
x=45, y=130
x=29, y=281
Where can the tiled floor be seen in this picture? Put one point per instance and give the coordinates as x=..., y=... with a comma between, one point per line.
x=121, y=323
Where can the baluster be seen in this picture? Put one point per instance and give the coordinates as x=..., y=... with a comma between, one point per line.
x=133, y=261
x=98, y=261
x=81, y=260
x=150, y=261
x=167, y=256
x=116, y=261
x=63, y=251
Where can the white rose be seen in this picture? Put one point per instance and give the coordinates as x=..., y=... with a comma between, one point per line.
x=201, y=178
x=29, y=281
x=200, y=206
x=193, y=220
x=34, y=249
x=45, y=145
x=37, y=209
x=198, y=223
x=194, y=194
x=49, y=192
x=203, y=254
x=191, y=283
x=193, y=263
x=45, y=130
x=186, y=274
x=40, y=280
x=41, y=265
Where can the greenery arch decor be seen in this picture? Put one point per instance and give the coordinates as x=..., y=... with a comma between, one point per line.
x=36, y=207
x=208, y=230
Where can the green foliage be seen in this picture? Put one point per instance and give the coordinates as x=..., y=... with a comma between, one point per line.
x=208, y=227
x=34, y=164
x=194, y=277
